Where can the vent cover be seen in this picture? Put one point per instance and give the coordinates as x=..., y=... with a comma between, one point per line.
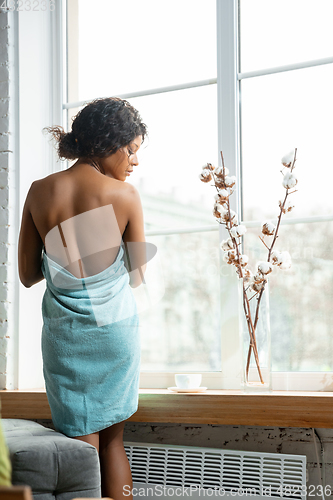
x=258, y=474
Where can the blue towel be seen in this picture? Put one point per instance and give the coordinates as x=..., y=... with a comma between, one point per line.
x=90, y=347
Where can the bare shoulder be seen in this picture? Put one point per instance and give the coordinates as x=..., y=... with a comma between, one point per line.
x=38, y=187
x=131, y=192
x=40, y=184
x=33, y=191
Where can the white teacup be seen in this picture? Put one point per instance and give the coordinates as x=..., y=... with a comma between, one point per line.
x=188, y=380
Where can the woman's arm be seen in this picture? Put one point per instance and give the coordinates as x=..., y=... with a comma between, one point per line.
x=134, y=239
x=29, y=246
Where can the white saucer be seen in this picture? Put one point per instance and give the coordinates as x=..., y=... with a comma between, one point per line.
x=194, y=389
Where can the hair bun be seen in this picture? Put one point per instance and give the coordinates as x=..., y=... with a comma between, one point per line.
x=68, y=146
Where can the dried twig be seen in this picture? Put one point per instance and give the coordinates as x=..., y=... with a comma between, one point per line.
x=236, y=258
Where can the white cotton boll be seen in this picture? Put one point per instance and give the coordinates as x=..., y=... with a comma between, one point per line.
x=285, y=260
x=221, y=199
x=205, y=175
x=230, y=256
x=241, y=229
x=276, y=257
x=243, y=260
x=226, y=245
x=287, y=159
x=225, y=215
x=230, y=181
x=221, y=209
x=268, y=228
x=219, y=171
x=257, y=278
x=223, y=194
x=289, y=180
x=218, y=211
x=233, y=232
x=238, y=231
x=265, y=267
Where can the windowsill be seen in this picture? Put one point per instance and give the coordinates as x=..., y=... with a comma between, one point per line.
x=219, y=407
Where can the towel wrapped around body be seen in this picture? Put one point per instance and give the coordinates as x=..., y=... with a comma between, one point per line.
x=90, y=347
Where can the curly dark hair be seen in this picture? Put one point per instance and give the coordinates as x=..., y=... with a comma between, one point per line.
x=99, y=129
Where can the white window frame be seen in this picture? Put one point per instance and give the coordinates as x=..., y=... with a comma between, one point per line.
x=229, y=141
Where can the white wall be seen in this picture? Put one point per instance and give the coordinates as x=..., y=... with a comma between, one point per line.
x=7, y=329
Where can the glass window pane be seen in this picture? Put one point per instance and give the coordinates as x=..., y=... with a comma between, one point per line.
x=301, y=315
x=282, y=32
x=182, y=129
x=125, y=46
x=182, y=332
x=280, y=112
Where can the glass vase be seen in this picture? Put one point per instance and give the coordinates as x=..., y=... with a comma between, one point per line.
x=255, y=341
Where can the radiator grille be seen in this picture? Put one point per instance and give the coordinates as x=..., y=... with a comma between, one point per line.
x=174, y=465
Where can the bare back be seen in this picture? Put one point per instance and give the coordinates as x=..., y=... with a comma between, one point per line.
x=81, y=216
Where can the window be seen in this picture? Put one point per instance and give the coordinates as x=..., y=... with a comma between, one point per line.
x=285, y=83
x=255, y=93
x=164, y=63
x=208, y=75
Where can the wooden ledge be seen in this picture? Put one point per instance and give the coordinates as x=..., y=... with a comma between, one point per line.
x=220, y=407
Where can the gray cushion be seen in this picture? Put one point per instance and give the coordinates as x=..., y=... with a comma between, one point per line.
x=54, y=465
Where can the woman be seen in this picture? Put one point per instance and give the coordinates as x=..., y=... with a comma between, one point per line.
x=76, y=228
